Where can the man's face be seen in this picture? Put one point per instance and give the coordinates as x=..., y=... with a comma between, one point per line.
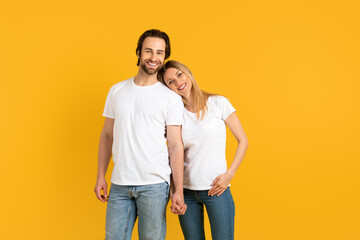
x=152, y=55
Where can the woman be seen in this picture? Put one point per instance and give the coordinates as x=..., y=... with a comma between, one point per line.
x=206, y=177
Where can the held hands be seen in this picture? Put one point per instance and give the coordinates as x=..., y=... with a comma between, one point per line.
x=220, y=184
x=101, y=185
x=178, y=205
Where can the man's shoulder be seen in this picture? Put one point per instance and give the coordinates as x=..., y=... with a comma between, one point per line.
x=119, y=86
x=166, y=91
x=122, y=83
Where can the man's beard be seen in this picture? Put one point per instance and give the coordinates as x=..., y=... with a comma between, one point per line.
x=150, y=71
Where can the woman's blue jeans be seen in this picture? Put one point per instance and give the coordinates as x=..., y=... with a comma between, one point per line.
x=221, y=212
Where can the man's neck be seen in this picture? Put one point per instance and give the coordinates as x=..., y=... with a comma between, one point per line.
x=144, y=79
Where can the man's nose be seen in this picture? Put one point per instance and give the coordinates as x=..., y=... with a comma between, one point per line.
x=152, y=57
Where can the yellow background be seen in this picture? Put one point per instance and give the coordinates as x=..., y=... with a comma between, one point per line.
x=290, y=68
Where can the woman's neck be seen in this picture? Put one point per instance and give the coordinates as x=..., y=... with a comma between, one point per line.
x=188, y=103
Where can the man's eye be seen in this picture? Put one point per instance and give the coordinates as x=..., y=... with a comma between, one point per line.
x=160, y=53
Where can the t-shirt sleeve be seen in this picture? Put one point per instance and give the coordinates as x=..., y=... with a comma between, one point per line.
x=175, y=111
x=108, y=109
x=225, y=107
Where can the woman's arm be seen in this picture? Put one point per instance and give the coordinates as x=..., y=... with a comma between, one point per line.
x=222, y=181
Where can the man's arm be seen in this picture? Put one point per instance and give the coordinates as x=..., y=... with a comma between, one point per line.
x=105, y=151
x=176, y=154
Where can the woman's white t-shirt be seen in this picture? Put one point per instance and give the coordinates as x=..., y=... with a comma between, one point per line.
x=204, y=144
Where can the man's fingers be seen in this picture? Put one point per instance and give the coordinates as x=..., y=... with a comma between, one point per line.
x=172, y=208
x=98, y=194
x=177, y=213
x=177, y=207
x=98, y=189
x=105, y=191
x=183, y=210
x=181, y=204
x=175, y=210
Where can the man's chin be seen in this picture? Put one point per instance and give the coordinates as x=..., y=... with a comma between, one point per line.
x=151, y=71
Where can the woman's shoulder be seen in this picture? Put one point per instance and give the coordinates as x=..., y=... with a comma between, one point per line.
x=217, y=99
x=220, y=106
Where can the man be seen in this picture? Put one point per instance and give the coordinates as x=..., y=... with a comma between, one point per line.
x=138, y=111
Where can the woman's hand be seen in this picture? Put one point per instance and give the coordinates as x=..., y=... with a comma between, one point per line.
x=220, y=184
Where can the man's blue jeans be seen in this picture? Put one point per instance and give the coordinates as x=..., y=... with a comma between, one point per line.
x=126, y=203
x=221, y=212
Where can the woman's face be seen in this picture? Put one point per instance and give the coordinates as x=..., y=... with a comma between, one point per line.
x=178, y=82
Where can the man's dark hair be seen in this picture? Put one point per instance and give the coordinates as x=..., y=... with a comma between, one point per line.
x=156, y=34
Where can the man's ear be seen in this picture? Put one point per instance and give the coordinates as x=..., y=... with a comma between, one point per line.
x=138, y=54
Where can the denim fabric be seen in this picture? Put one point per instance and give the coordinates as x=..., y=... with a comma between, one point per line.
x=126, y=203
x=221, y=212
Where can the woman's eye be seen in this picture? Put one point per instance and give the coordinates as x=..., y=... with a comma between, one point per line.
x=170, y=82
x=179, y=75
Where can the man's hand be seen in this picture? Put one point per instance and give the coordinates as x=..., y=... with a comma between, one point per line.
x=178, y=205
x=101, y=185
x=220, y=184
x=105, y=149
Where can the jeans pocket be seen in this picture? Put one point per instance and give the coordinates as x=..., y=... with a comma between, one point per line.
x=167, y=191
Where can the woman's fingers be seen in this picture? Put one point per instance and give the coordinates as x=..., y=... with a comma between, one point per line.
x=214, y=182
x=214, y=190
x=221, y=192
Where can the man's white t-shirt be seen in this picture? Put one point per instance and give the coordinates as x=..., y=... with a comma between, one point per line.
x=204, y=144
x=141, y=113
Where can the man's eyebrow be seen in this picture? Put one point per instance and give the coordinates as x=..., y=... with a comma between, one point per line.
x=159, y=50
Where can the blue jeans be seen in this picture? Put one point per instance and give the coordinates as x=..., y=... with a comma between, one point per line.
x=221, y=212
x=126, y=203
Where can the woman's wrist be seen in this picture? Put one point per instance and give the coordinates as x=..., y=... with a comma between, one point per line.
x=230, y=173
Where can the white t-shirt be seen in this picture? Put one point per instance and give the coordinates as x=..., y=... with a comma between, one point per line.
x=141, y=113
x=204, y=144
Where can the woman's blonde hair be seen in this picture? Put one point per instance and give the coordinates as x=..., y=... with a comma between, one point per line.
x=198, y=96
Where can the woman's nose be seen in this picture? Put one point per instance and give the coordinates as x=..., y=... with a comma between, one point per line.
x=177, y=82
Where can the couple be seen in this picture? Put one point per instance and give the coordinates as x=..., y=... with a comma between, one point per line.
x=162, y=128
